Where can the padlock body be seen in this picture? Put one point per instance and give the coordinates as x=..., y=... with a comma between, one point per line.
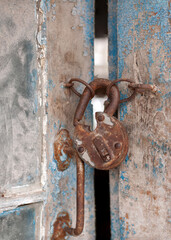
x=105, y=147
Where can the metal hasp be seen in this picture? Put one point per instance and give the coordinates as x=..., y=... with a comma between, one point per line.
x=104, y=148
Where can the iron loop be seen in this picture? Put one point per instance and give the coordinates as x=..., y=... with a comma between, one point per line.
x=68, y=85
x=122, y=80
x=96, y=84
x=84, y=83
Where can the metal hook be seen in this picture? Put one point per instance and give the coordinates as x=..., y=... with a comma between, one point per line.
x=80, y=199
x=63, y=217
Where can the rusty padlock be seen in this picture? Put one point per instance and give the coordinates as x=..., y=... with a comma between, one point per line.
x=105, y=147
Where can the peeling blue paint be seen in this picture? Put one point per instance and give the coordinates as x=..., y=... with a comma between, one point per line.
x=126, y=228
x=48, y=5
x=43, y=5
x=127, y=187
x=51, y=84
x=123, y=111
x=127, y=161
x=55, y=126
x=146, y=165
x=113, y=50
x=115, y=225
x=56, y=177
x=87, y=18
x=126, y=36
x=115, y=190
x=136, y=26
x=123, y=177
x=162, y=147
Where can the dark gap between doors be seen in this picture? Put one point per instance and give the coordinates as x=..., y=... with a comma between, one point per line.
x=101, y=178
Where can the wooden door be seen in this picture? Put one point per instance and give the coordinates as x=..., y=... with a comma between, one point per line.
x=139, y=49
x=43, y=45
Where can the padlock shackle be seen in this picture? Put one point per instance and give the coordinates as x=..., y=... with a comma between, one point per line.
x=96, y=84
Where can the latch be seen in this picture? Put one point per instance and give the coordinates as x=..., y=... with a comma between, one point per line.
x=104, y=148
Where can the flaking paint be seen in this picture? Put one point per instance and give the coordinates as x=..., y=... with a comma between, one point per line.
x=143, y=54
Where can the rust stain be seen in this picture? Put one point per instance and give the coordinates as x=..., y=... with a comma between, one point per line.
x=156, y=210
x=154, y=13
x=143, y=228
x=169, y=6
x=135, y=7
x=69, y=57
x=62, y=144
x=149, y=193
x=61, y=222
x=127, y=226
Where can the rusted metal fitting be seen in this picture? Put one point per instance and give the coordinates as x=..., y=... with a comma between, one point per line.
x=141, y=88
x=71, y=85
x=137, y=88
x=113, y=95
x=68, y=85
x=63, y=149
x=105, y=147
x=80, y=199
x=62, y=223
x=122, y=80
x=62, y=220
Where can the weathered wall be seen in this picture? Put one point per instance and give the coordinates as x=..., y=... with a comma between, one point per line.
x=140, y=203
